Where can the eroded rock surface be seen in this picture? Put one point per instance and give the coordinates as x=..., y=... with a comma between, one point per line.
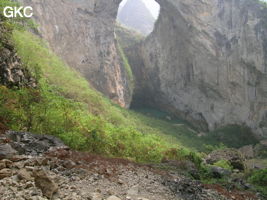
x=60, y=173
x=32, y=144
x=12, y=72
x=234, y=157
x=206, y=62
x=82, y=33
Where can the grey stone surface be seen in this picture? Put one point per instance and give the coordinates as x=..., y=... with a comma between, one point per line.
x=82, y=33
x=206, y=62
x=32, y=144
x=12, y=72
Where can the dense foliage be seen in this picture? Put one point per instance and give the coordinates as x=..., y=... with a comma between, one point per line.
x=259, y=179
x=223, y=164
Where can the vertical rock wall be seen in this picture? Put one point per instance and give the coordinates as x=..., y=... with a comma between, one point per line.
x=206, y=61
x=82, y=33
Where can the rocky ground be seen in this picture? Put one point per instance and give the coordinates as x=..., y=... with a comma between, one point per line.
x=39, y=167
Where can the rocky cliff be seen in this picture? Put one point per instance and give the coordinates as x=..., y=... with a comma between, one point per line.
x=82, y=33
x=206, y=62
x=12, y=72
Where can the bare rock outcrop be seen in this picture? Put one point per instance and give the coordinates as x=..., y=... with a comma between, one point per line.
x=82, y=33
x=206, y=61
x=12, y=72
x=57, y=172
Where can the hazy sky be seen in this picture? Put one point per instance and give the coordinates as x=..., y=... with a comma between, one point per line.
x=151, y=5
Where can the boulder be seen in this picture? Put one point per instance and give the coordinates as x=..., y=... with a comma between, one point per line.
x=113, y=198
x=247, y=151
x=263, y=143
x=133, y=191
x=32, y=144
x=23, y=174
x=45, y=183
x=253, y=164
x=2, y=165
x=232, y=155
x=219, y=172
x=5, y=173
x=6, y=151
x=95, y=196
x=5, y=163
x=187, y=188
x=260, y=150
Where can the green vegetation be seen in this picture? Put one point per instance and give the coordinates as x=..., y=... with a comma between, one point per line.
x=127, y=37
x=223, y=164
x=263, y=2
x=18, y=22
x=64, y=105
x=179, y=132
x=5, y=3
x=231, y=136
x=259, y=179
x=127, y=67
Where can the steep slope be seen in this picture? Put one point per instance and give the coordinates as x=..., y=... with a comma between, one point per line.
x=64, y=105
x=127, y=37
x=82, y=33
x=206, y=62
x=12, y=72
x=134, y=14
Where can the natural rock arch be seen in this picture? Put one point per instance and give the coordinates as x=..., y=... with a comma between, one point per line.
x=205, y=61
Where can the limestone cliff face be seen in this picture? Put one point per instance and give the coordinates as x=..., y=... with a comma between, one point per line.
x=82, y=33
x=206, y=61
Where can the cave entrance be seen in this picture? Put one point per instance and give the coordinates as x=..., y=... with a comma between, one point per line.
x=138, y=15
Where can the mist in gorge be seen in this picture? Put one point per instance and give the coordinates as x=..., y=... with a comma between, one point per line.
x=139, y=15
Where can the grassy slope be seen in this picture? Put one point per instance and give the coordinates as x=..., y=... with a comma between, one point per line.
x=65, y=105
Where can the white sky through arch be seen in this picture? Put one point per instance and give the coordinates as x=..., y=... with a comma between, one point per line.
x=152, y=5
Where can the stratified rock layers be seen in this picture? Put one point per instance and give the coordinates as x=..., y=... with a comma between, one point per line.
x=82, y=33
x=206, y=62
